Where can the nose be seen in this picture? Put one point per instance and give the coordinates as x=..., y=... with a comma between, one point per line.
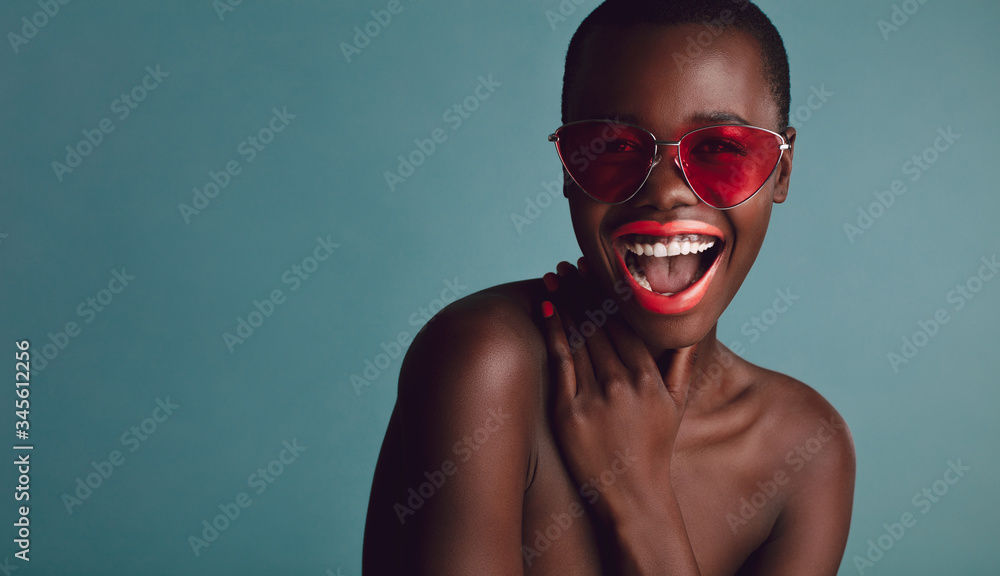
x=665, y=188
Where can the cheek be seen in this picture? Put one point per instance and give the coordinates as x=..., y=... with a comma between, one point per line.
x=750, y=228
x=587, y=216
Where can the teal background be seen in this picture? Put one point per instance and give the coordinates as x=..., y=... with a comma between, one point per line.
x=323, y=176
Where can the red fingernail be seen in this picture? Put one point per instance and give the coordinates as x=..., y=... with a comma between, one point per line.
x=547, y=309
x=582, y=265
x=551, y=281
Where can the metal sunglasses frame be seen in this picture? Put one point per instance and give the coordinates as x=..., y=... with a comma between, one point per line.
x=554, y=137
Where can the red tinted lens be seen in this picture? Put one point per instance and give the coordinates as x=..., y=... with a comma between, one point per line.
x=608, y=160
x=726, y=165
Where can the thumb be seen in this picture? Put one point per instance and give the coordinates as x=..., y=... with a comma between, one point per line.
x=561, y=362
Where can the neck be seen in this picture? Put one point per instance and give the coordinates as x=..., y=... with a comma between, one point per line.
x=712, y=375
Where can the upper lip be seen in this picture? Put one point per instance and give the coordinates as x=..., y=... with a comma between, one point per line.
x=664, y=229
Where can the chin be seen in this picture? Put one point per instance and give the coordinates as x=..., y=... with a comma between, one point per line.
x=669, y=333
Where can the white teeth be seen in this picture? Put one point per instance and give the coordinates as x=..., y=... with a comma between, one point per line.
x=666, y=247
x=676, y=246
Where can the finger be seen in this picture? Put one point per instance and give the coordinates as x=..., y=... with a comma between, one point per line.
x=551, y=282
x=678, y=378
x=561, y=361
x=632, y=349
x=563, y=297
x=606, y=364
x=592, y=291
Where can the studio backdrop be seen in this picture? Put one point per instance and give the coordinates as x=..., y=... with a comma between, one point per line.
x=223, y=221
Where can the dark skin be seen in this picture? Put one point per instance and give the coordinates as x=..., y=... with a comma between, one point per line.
x=630, y=454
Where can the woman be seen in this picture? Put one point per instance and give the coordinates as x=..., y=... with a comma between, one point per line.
x=590, y=422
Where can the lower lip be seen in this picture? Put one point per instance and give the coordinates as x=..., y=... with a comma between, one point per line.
x=677, y=303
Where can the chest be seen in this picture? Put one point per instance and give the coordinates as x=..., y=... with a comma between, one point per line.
x=561, y=535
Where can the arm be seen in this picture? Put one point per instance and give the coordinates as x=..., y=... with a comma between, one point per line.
x=468, y=394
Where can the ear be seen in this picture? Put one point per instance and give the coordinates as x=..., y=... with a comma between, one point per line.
x=785, y=168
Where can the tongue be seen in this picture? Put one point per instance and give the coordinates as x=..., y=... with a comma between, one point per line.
x=672, y=273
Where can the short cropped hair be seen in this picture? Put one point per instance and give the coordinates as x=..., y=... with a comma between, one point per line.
x=742, y=15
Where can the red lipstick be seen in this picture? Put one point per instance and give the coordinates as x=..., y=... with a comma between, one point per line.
x=690, y=296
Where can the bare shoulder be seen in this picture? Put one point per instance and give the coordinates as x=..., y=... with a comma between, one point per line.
x=811, y=452
x=807, y=436
x=483, y=347
x=812, y=438
x=808, y=458
x=469, y=391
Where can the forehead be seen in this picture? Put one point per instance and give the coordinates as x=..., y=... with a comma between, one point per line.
x=670, y=79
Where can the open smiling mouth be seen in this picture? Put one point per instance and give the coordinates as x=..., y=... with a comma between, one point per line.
x=669, y=266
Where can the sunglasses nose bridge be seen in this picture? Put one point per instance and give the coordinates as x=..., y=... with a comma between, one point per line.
x=676, y=155
x=659, y=155
x=679, y=175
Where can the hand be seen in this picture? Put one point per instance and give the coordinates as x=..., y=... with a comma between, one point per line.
x=616, y=415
